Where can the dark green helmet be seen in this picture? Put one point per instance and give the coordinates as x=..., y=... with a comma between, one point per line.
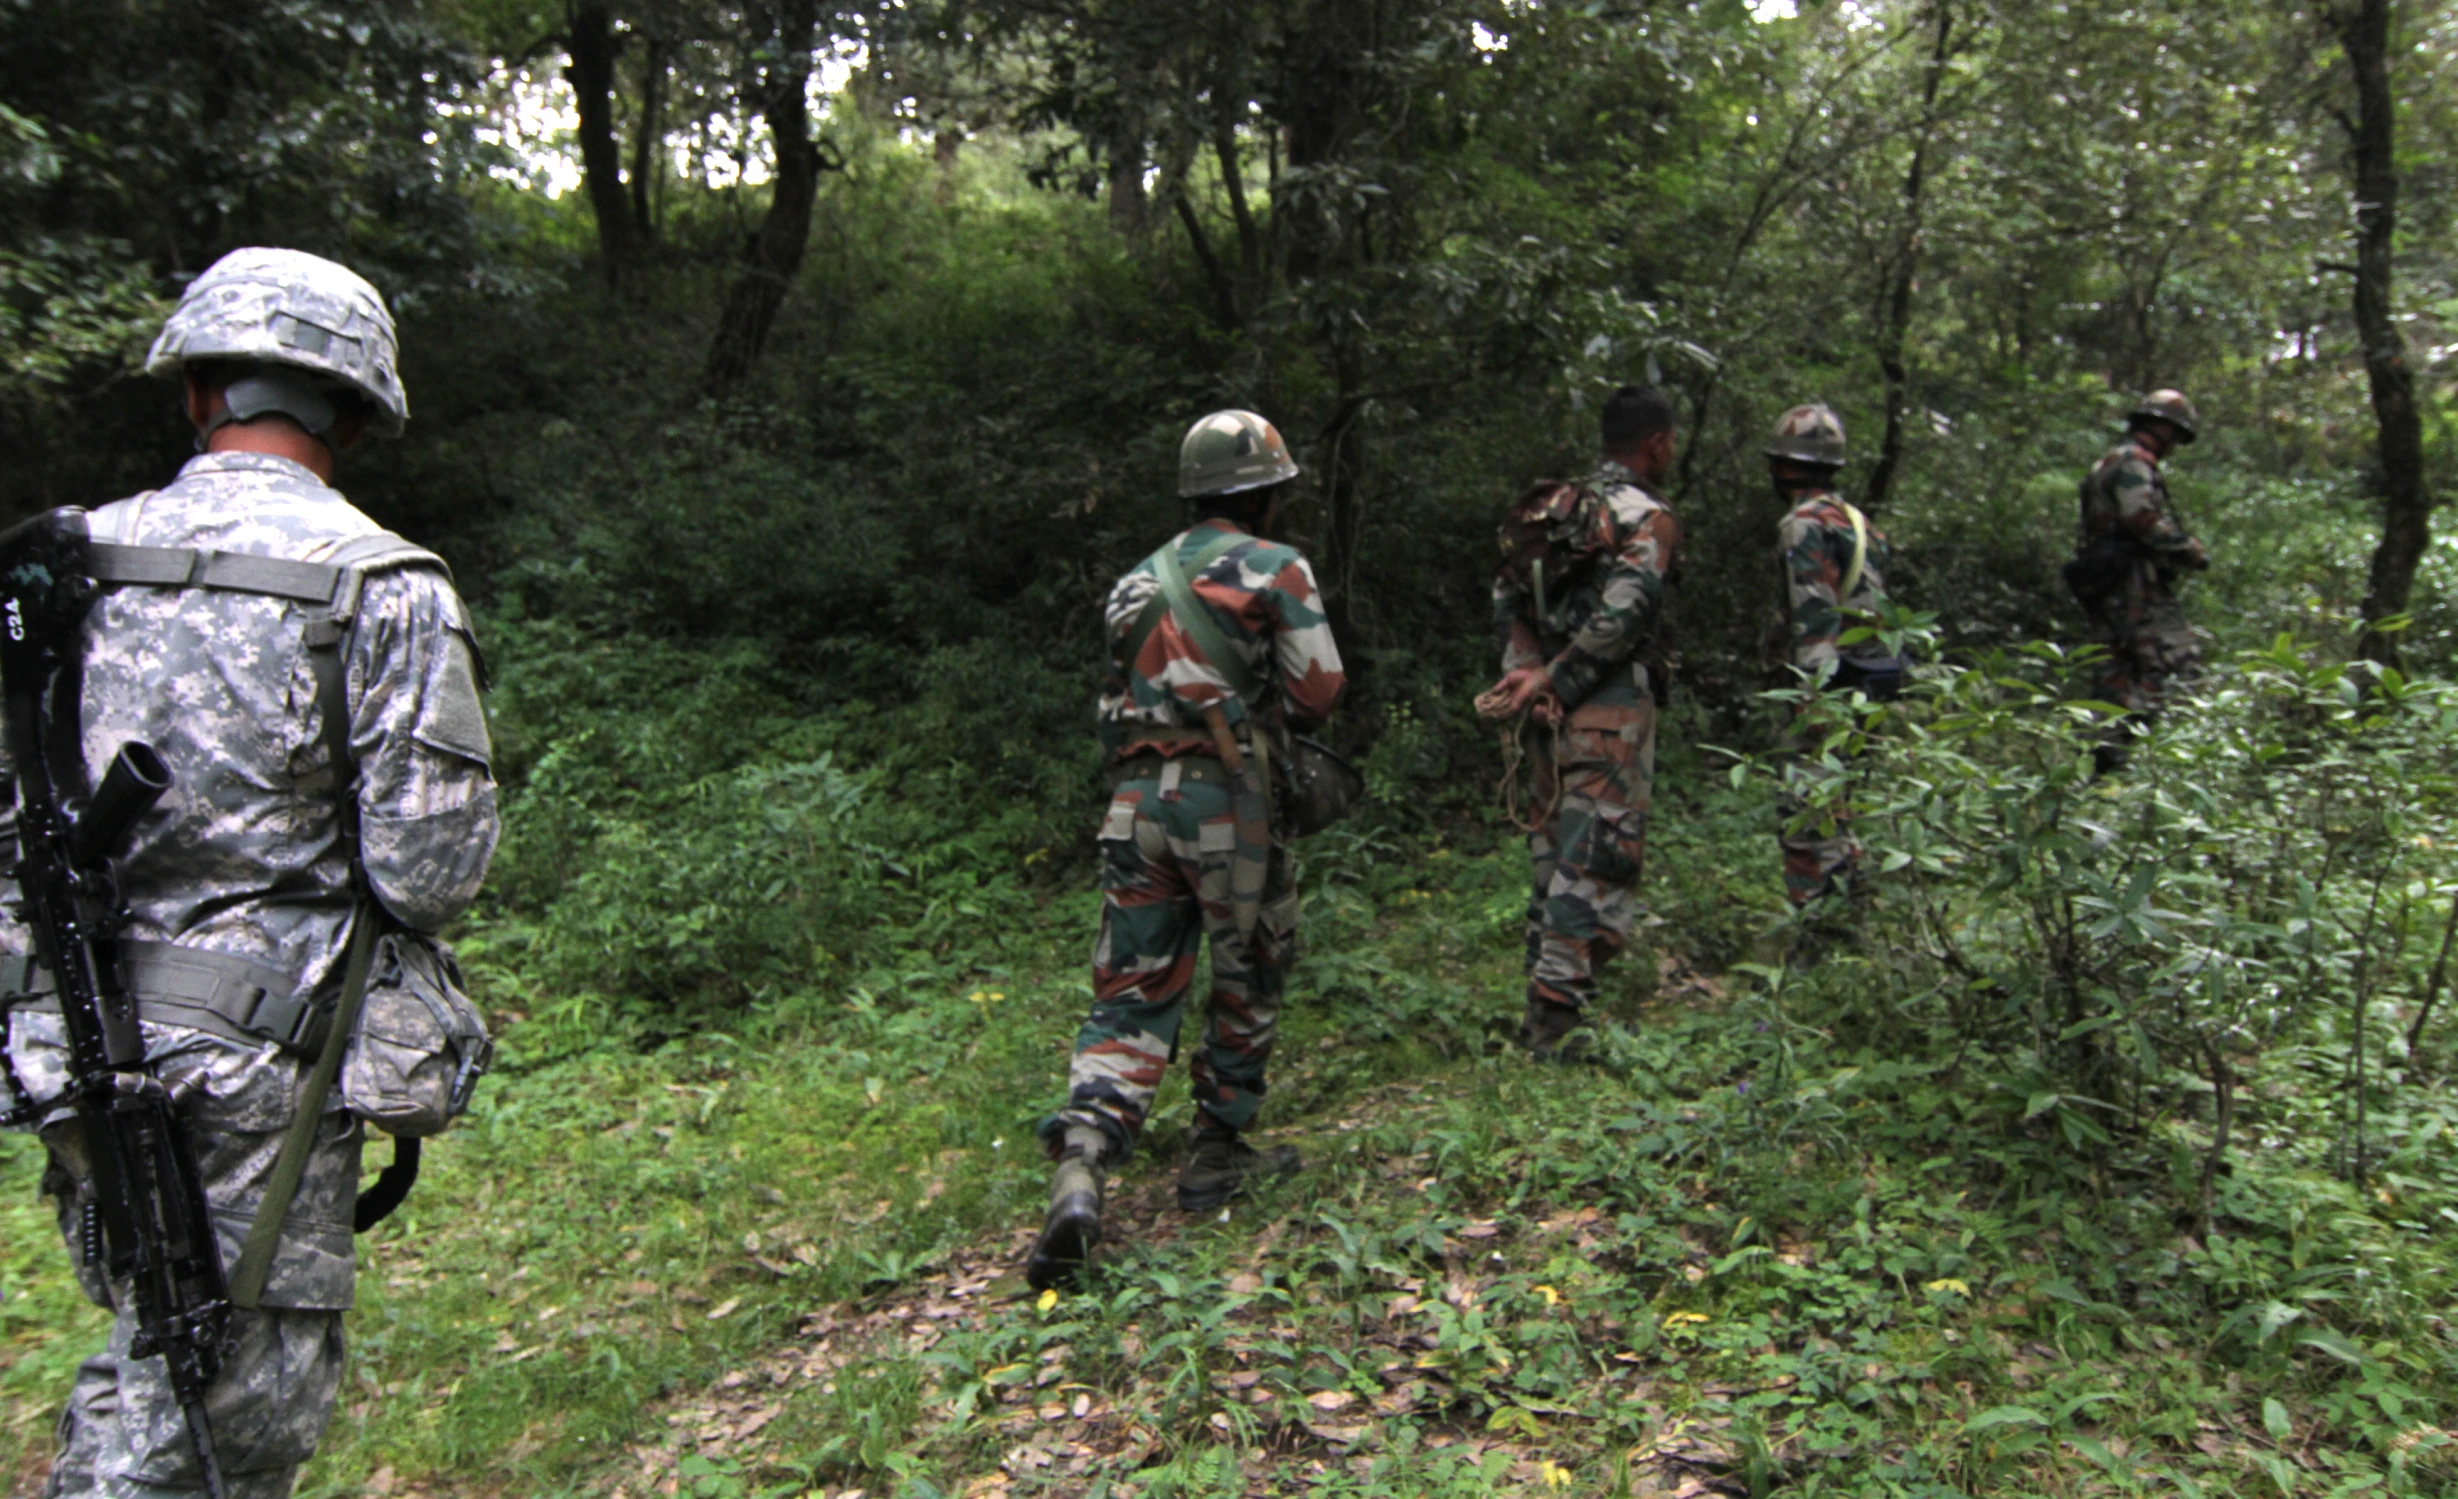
x=2171, y=407
x=1230, y=451
x=1809, y=434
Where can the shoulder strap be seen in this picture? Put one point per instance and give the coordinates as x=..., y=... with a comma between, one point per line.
x=1176, y=596
x=1860, y=551
x=335, y=583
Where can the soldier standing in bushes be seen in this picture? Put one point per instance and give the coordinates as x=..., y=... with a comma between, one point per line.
x=1833, y=564
x=1217, y=651
x=1579, y=607
x=2131, y=551
x=330, y=784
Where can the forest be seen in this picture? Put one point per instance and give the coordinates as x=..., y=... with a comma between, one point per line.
x=788, y=383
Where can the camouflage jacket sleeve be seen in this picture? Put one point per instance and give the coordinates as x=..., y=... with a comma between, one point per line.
x=2145, y=517
x=1513, y=628
x=426, y=787
x=1311, y=678
x=1630, y=586
x=1813, y=564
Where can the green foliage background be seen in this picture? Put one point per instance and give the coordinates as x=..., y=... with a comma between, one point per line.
x=2111, y=1160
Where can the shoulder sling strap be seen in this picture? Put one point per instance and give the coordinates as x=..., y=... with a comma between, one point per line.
x=1176, y=595
x=333, y=589
x=1860, y=552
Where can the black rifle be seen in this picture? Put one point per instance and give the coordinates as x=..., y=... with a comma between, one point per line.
x=149, y=1196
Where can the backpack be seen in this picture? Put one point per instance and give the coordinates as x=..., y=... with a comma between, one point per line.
x=1550, y=535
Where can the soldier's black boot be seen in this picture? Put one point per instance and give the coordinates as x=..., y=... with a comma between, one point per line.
x=1072, y=1230
x=1555, y=1033
x=1222, y=1163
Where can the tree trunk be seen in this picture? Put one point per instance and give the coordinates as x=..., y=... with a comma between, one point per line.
x=650, y=136
x=592, y=74
x=774, y=254
x=2406, y=506
x=1127, y=200
x=1897, y=319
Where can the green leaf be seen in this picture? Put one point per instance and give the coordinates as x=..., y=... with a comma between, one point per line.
x=2334, y=1345
x=2276, y=1315
x=2275, y=1421
x=2003, y=1415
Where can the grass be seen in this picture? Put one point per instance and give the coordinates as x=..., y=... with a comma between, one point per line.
x=1742, y=1252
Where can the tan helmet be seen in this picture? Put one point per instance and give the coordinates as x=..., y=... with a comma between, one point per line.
x=2171, y=407
x=1809, y=434
x=1232, y=450
x=289, y=308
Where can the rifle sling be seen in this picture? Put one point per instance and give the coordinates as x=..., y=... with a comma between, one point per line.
x=1176, y=596
x=1860, y=554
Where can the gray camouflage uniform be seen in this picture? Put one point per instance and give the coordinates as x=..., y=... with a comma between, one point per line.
x=246, y=857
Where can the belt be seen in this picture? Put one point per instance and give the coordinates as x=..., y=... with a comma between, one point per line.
x=1203, y=769
x=189, y=986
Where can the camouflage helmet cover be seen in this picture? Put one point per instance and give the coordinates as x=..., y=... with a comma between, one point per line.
x=1809, y=434
x=2170, y=406
x=287, y=307
x=1230, y=451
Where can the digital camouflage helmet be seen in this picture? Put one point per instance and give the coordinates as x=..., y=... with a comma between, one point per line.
x=2171, y=407
x=286, y=311
x=1230, y=451
x=1809, y=434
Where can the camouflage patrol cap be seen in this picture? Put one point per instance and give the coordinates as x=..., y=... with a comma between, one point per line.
x=1809, y=434
x=287, y=307
x=2171, y=407
x=1230, y=451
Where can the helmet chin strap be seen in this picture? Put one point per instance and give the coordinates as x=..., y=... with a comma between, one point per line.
x=274, y=392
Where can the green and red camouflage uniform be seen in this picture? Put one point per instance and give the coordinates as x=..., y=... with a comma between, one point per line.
x=1168, y=840
x=1593, y=637
x=1814, y=553
x=2149, y=643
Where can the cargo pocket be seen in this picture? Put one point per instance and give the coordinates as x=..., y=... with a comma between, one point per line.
x=421, y=1045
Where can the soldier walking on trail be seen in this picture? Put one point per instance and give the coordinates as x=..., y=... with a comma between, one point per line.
x=1833, y=563
x=310, y=683
x=2129, y=555
x=1579, y=608
x=1217, y=650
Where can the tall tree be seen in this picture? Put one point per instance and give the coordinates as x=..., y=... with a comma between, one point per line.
x=1895, y=316
x=2406, y=505
x=779, y=91
x=592, y=47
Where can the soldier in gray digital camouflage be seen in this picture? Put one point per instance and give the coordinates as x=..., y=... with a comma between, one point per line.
x=2130, y=552
x=312, y=684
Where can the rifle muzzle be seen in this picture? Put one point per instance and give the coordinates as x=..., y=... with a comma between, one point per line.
x=136, y=780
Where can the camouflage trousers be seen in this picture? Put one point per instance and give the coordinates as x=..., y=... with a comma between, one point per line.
x=2150, y=648
x=1588, y=854
x=122, y=1435
x=1821, y=856
x=1165, y=865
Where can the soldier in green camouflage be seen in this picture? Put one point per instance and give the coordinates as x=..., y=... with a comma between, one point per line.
x=1833, y=565
x=247, y=870
x=2130, y=553
x=1582, y=652
x=1192, y=714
